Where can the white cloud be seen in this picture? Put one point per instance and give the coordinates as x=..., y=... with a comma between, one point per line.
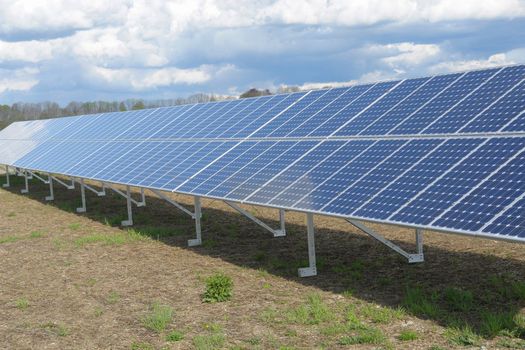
x=28, y=51
x=495, y=60
x=408, y=53
x=55, y=15
x=18, y=80
x=143, y=79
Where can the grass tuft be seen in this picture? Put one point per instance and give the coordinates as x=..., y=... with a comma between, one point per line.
x=378, y=314
x=419, y=304
x=408, y=335
x=458, y=299
x=364, y=336
x=174, y=336
x=208, y=341
x=463, y=336
x=22, y=303
x=314, y=311
x=58, y=329
x=159, y=317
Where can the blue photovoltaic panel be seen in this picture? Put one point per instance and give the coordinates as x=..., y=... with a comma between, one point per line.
x=511, y=222
x=412, y=104
x=316, y=174
x=294, y=171
x=350, y=95
x=415, y=178
x=384, y=172
x=383, y=106
x=360, y=161
x=478, y=101
x=488, y=198
x=295, y=121
x=435, y=109
x=501, y=113
x=347, y=114
x=414, y=152
x=427, y=205
x=272, y=162
x=286, y=115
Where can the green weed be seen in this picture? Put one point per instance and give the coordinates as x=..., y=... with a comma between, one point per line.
x=113, y=298
x=219, y=288
x=22, y=303
x=174, y=336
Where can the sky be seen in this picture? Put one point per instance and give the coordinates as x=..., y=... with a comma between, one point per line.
x=86, y=50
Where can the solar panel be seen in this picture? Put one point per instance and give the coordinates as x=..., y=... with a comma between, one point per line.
x=444, y=152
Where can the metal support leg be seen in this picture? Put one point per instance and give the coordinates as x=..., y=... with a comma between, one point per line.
x=311, y=270
x=198, y=239
x=282, y=231
x=83, y=194
x=411, y=257
x=51, y=193
x=129, y=221
x=7, y=180
x=143, y=196
x=26, y=189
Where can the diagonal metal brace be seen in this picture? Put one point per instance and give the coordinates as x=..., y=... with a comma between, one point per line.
x=172, y=202
x=276, y=233
x=411, y=257
x=69, y=187
x=98, y=193
x=32, y=174
x=125, y=195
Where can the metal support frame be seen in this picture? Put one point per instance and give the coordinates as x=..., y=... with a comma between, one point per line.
x=51, y=196
x=129, y=221
x=26, y=183
x=411, y=257
x=311, y=270
x=69, y=187
x=127, y=195
x=98, y=193
x=276, y=232
x=197, y=216
x=83, y=208
x=7, y=179
x=33, y=175
x=172, y=202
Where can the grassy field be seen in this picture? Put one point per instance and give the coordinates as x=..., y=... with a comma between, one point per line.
x=71, y=281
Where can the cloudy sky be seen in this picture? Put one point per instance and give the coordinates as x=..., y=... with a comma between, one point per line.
x=109, y=49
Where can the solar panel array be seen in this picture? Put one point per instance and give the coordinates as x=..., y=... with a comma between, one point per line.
x=444, y=152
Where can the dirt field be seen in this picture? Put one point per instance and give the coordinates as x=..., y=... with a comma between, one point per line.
x=71, y=281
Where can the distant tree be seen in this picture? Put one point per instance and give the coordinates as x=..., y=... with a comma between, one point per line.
x=254, y=93
x=138, y=105
x=122, y=107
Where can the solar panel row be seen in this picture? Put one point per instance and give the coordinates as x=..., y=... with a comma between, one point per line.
x=480, y=101
x=408, y=152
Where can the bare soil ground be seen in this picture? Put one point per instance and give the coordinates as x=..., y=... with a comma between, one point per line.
x=71, y=281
